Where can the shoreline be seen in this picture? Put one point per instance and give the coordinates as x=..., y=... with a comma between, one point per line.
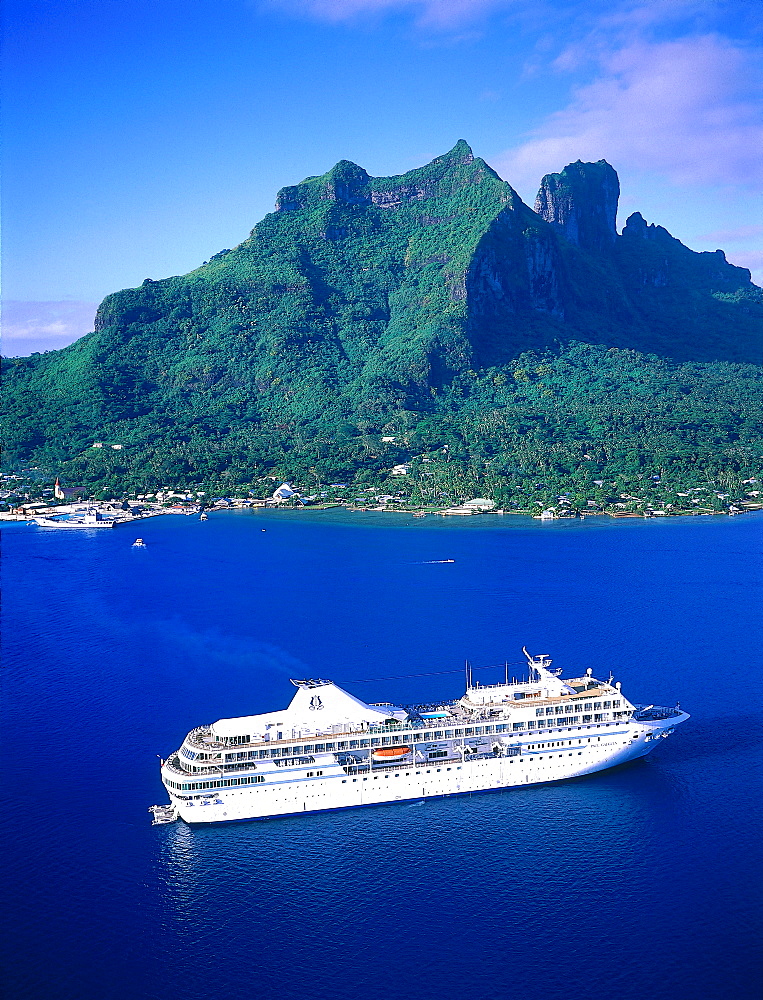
x=120, y=517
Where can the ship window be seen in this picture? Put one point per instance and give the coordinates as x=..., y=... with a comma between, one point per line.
x=531, y=724
x=438, y=736
x=607, y=704
x=375, y=742
x=310, y=774
x=354, y=780
x=539, y=711
x=500, y=729
x=354, y=744
x=459, y=732
x=365, y=743
x=518, y=725
x=597, y=704
x=568, y=709
x=448, y=733
x=616, y=704
x=588, y=707
x=488, y=729
x=559, y=710
x=386, y=740
x=319, y=747
x=586, y=718
x=469, y=731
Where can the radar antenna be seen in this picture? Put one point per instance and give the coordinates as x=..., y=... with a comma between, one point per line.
x=537, y=663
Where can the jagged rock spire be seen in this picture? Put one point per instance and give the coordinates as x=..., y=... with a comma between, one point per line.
x=581, y=203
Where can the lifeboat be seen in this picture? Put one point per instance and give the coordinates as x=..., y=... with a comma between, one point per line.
x=388, y=755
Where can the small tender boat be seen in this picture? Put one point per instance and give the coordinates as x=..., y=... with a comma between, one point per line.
x=139, y=544
x=388, y=755
x=204, y=517
x=420, y=514
x=545, y=515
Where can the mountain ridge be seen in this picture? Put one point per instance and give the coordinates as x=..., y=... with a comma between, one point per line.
x=364, y=302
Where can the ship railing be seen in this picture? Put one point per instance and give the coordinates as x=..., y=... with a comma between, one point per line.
x=171, y=765
x=654, y=713
x=202, y=738
x=363, y=769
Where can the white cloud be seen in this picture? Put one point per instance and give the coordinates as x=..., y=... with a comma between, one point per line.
x=44, y=326
x=687, y=108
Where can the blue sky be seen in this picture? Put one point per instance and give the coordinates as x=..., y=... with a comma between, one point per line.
x=141, y=137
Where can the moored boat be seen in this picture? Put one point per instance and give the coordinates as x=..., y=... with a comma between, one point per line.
x=92, y=518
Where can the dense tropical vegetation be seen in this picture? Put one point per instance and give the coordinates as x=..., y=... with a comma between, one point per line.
x=504, y=352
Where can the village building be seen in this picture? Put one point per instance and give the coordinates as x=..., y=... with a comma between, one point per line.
x=284, y=492
x=67, y=492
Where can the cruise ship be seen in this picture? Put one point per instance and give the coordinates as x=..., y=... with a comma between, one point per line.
x=330, y=750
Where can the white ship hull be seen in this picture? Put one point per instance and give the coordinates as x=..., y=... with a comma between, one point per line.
x=571, y=756
x=329, y=750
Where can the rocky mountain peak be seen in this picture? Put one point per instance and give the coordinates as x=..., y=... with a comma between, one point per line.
x=581, y=203
x=637, y=226
x=460, y=154
x=346, y=183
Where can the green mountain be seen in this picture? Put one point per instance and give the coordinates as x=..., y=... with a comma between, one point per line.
x=435, y=307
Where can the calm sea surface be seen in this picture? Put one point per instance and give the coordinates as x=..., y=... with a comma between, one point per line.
x=642, y=882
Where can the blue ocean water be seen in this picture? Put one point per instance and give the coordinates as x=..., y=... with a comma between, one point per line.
x=639, y=882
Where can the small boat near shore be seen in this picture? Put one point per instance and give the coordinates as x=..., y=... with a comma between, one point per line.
x=545, y=515
x=92, y=518
x=139, y=544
